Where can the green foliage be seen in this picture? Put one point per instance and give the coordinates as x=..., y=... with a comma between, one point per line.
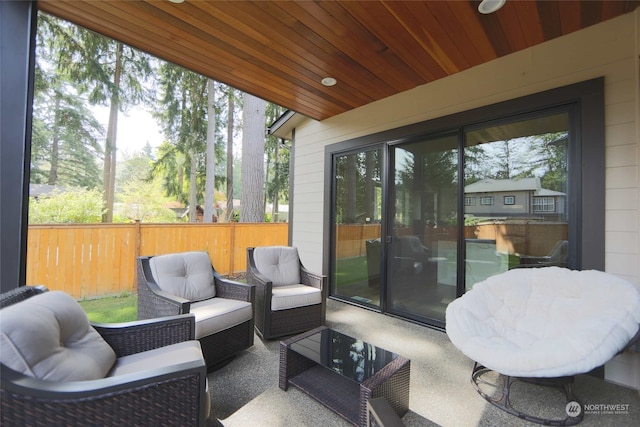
x=73, y=60
x=65, y=135
x=169, y=168
x=73, y=206
x=471, y=220
x=357, y=184
x=143, y=201
x=543, y=156
x=76, y=68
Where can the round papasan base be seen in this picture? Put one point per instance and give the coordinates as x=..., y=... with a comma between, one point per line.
x=503, y=396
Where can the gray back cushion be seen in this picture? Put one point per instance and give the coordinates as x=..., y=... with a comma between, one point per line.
x=279, y=264
x=48, y=336
x=187, y=274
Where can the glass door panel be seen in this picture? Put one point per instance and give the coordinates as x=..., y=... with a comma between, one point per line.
x=356, y=265
x=423, y=231
x=516, y=192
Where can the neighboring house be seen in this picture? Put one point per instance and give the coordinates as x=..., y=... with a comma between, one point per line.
x=177, y=207
x=42, y=190
x=513, y=198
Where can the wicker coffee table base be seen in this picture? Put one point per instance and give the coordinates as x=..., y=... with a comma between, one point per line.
x=343, y=396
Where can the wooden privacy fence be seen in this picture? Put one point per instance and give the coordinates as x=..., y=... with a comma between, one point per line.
x=351, y=239
x=533, y=239
x=88, y=260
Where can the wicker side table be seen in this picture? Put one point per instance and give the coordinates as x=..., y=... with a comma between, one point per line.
x=313, y=362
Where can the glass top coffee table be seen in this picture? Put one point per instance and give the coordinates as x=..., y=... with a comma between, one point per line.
x=343, y=373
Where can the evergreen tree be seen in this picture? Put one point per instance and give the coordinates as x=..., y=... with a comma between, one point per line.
x=182, y=114
x=111, y=74
x=253, y=140
x=211, y=152
x=65, y=133
x=232, y=100
x=277, y=168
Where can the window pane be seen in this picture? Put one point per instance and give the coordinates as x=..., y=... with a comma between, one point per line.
x=523, y=163
x=358, y=212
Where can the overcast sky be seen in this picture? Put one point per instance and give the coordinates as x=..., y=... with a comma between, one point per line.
x=135, y=129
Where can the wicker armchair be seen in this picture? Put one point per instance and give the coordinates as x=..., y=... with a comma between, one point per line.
x=158, y=375
x=223, y=308
x=289, y=298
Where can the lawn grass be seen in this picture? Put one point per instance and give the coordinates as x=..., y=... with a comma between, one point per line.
x=115, y=309
x=351, y=270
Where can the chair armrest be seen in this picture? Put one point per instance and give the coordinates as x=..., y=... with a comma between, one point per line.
x=533, y=262
x=262, y=289
x=231, y=289
x=312, y=279
x=172, y=395
x=318, y=281
x=20, y=293
x=533, y=259
x=262, y=284
x=142, y=335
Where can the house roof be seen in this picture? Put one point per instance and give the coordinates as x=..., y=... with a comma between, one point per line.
x=38, y=190
x=281, y=50
x=489, y=185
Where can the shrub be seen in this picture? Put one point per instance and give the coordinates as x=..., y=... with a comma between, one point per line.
x=73, y=206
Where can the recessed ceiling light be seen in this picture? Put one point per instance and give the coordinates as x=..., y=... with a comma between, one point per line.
x=489, y=6
x=177, y=1
x=329, y=81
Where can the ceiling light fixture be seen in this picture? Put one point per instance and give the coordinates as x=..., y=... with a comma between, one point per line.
x=177, y=1
x=329, y=81
x=489, y=6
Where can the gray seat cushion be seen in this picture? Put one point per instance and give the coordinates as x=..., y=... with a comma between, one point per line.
x=188, y=275
x=293, y=296
x=217, y=314
x=279, y=264
x=48, y=336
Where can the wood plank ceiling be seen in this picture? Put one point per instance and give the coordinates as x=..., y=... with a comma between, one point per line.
x=281, y=50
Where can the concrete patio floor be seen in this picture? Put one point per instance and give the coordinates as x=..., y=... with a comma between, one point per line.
x=245, y=392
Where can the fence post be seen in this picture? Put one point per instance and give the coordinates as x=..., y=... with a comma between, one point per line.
x=232, y=251
x=138, y=233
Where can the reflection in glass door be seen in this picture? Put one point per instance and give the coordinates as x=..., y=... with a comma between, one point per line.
x=516, y=195
x=423, y=230
x=356, y=265
x=446, y=226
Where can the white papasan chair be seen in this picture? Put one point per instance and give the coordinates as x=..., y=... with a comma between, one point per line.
x=544, y=325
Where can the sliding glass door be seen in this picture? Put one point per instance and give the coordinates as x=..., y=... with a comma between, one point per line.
x=423, y=227
x=417, y=221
